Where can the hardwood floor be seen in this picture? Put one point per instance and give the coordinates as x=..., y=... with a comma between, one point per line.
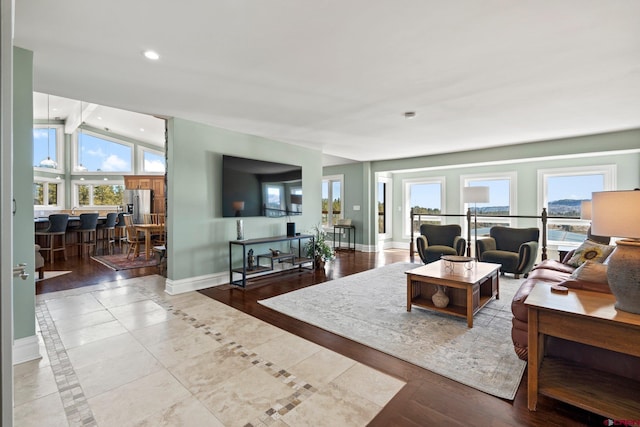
x=427, y=399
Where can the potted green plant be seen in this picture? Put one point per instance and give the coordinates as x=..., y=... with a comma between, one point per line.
x=320, y=250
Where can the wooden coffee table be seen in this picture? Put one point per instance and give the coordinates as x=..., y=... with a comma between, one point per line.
x=468, y=289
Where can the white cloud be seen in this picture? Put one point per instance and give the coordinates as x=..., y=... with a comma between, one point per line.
x=114, y=163
x=153, y=166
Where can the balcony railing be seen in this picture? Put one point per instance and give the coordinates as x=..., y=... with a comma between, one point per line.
x=543, y=217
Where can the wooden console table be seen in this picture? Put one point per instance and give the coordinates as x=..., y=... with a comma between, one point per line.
x=288, y=256
x=589, y=318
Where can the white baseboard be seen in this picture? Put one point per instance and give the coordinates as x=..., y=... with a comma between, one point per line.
x=175, y=287
x=26, y=349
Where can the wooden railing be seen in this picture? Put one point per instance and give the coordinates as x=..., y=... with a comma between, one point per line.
x=543, y=217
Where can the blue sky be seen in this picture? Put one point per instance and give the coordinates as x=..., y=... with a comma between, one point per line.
x=96, y=153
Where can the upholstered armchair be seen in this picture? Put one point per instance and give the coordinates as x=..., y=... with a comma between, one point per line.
x=515, y=248
x=437, y=240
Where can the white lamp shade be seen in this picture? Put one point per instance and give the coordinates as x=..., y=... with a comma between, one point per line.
x=616, y=214
x=475, y=194
x=585, y=209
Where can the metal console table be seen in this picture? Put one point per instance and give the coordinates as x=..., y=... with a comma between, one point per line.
x=339, y=229
x=291, y=256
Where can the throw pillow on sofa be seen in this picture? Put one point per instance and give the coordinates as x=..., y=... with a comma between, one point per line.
x=590, y=251
x=591, y=271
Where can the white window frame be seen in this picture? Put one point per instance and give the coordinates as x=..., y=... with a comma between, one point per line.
x=510, y=176
x=406, y=201
x=330, y=179
x=75, y=194
x=609, y=173
x=75, y=155
x=59, y=148
x=46, y=181
x=140, y=165
x=388, y=206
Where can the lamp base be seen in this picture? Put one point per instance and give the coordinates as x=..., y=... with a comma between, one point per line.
x=623, y=274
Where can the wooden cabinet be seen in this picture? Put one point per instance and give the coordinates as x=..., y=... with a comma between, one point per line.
x=149, y=182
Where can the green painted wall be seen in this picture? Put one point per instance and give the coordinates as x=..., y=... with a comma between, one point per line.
x=524, y=159
x=198, y=236
x=23, y=239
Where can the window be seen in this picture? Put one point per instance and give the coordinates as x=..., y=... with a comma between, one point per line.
x=332, y=196
x=275, y=200
x=426, y=198
x=502, y=200
x=98, y=194
x=384, y=200
x=562, y=192
x=96, y=154
x=153, y=161
x=50, y=188
x=46, y=146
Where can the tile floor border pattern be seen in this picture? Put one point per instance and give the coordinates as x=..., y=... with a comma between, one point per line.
x=75, y=403
x=302, y=389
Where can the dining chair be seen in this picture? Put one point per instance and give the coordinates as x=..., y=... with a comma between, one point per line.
x=133, y=237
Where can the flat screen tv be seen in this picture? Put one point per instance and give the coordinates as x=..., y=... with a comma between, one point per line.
x=258, y=188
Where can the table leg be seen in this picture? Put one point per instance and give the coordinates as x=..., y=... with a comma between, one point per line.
x=147, y=243
x=409, y=292
x=470, y=306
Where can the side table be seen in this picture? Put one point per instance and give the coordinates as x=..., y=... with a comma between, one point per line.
x=340, y=229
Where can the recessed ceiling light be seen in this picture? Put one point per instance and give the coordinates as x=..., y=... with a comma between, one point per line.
x=409, y=114
x=150, y=54
x=141, y=129
x=99, y=117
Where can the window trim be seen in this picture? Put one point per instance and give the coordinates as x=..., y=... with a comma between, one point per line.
x=406, y=201
x=333, y=178
x=609, y=172
x=61, y=194
x=59, y=147
x=75, y=195
x=512, y=177
x=140, y=161
x=75, y=156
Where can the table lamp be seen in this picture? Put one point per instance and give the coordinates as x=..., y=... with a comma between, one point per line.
x=238, y=206
x=475, y=195
x=617, y=214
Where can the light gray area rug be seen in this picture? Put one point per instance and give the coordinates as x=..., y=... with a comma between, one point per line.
x=371, y=308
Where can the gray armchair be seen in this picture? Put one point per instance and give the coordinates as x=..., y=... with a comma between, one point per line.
x=437, y=240
x=516, y=249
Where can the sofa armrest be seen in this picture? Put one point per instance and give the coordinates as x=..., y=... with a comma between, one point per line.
x=486, y=244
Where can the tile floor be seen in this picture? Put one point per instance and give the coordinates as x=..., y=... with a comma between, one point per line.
x=126, y=353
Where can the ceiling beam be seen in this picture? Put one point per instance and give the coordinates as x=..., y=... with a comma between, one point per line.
x=75, y=119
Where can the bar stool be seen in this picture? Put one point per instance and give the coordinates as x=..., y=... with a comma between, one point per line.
x=121, y=230
x=88, y=223
x=57, y=227
x=106, y=231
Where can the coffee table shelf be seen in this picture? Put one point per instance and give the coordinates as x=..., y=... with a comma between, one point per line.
x=468, y=289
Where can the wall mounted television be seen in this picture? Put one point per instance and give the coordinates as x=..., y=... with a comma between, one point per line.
x=258, y=188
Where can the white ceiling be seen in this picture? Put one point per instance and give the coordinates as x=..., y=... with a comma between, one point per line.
x=338, y=75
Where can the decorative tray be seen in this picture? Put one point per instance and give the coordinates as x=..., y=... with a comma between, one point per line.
x=457, y=258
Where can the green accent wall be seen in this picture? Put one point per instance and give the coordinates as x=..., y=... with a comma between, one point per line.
x=23, y=238
x=198, y=236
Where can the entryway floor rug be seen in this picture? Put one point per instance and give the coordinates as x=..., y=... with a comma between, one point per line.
x=371, y=308
x=120, y=261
